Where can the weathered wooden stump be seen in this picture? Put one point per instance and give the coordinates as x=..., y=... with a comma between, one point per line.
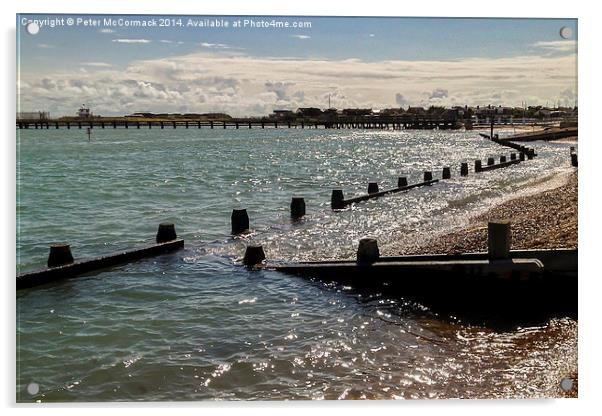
x=336, y=200
x=297, y=207
x=499, y=239
x=60, y=255
x=446, y=173
x=254, y=255
x=372, y=187
x=367, y=251
x=240, y=220
x=166, y=232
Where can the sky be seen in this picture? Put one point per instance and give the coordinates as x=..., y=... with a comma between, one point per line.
x=245, y=66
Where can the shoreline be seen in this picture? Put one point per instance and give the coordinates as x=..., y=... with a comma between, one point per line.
x=544, y=219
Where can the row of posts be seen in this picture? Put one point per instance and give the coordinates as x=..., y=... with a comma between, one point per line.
x=499, y=241
x=254, y=254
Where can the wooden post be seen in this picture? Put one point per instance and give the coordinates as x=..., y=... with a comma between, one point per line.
x=499, y=240
x=464, y=169
x=446, y=173
x=166, y=232
x=254, y=255
x=372, y=187
x=367, y=251
x=297, y=207
x=336, y=199
x=402, y=181
x=60, y=255
x=240, y=221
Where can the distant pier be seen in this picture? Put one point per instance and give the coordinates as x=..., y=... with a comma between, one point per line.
x=368, y=123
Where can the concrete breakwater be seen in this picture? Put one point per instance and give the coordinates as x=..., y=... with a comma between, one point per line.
x=473, y=285
x=553, y=133
x=61, y=264
x=338, y=200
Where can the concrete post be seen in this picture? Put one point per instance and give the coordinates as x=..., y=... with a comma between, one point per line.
x=367, y=251
x=402, y=181
x=499, y=240
x=166, y=232
x=446, y=173
x=60, y=255
x=428, y=176
x=464, y=169
x=254, y=255
x=372, y=187
x=297, y=207
x=336, y=200
x=477, y=166
x=490, y=161
x=240, y=221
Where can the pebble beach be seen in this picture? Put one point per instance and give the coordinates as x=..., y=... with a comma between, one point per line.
x=544, y=220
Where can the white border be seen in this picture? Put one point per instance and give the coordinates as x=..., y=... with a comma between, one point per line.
x=589, y=146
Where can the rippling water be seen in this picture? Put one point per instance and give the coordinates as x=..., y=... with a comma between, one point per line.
x=195, y=325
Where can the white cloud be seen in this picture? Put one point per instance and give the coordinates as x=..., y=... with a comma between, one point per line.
x=97, y=64
x=301, y=36
x=438, y=93
x=173, y=42
x=371, y=35
x=215, y=45
x=245, y=85
x=132, y=40
x=557, y=45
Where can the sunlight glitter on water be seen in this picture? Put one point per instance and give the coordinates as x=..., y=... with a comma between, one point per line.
x=194, y=326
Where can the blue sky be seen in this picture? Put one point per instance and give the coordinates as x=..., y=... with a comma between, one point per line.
x=491, y=60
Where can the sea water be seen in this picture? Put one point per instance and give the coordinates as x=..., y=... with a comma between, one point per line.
x=195, y=325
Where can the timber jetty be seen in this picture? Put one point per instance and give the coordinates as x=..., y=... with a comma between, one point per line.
x=409, y=121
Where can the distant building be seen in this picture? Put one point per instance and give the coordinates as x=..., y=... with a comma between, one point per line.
x=392, y=111
x=33, y=115
x=84, y=112
x=309, y=112
x=416, y=110
x=357, y=111
x=283, y=115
